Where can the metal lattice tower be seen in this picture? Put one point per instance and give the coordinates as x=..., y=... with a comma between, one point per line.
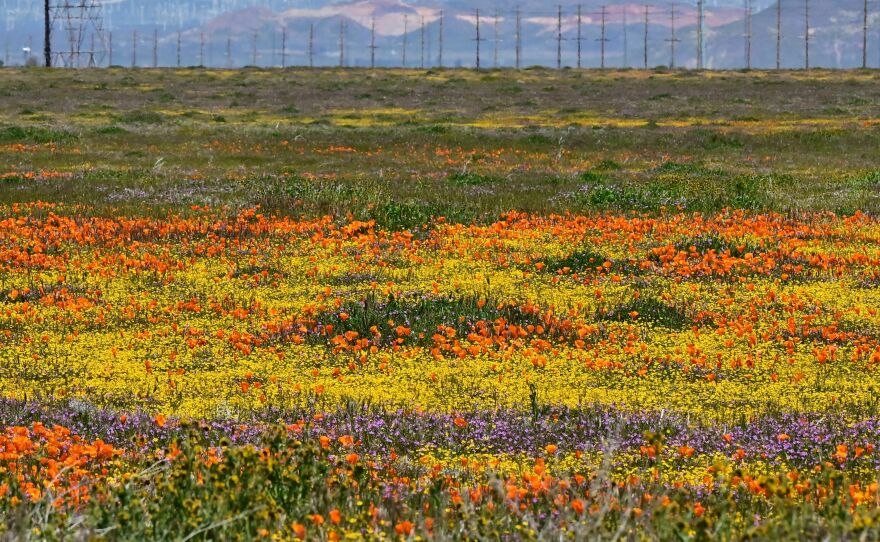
x=77, y=20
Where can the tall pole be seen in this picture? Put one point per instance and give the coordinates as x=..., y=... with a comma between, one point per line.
x=202, y=49
x=625, y=40
x=134, y=48
x=865, y=36
x=284, y=47
x=647, y=20
x=478, y=40
x=579, y=37
x=673, y=39
x=178, y=48
x=602, y=38
x=47, y=34
x=254, y=49
x=341, y=43
x=373, y=43
x=518, y=37
x=807, y=34
x=496, y=39
x=405, y=35
x=110, y=49
x=228, y=50
x=748, y=34
x=155, y=47
x=440, y=44
x=422, y=40
x=559, y=38
x=311, y=45
x=700, y=34
x=778, y=34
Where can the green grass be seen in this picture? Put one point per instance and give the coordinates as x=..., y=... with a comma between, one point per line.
x=370, y=145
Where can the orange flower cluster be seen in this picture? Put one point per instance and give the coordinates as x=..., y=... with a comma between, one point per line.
x=43, y=462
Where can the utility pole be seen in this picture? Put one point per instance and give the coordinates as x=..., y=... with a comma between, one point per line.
x=748, y=34
x=647, y=20
x=700, y=34
x=518, y=37
x=440, y=44
x=778, y=34
x=625, y=40
x=559, y=38
x=47, y=34
x=178, y=48
x=110, y=48
x=865, y=37
x=807, y=34
x=373, y=43
x=496, y=39
x=284, y=46
x=478, y=39
x=673, y=39
x=202, y=49
x=155, y=47
x=311, y=45
x=134, y=48
x=341, y=42
x=92, y=63
x=602, y=39
x=422, y=40
x=580, y=39
x=254, y=49
x=405, y=35
x=228, y=50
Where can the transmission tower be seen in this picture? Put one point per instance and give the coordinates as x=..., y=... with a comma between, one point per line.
x=77, y=19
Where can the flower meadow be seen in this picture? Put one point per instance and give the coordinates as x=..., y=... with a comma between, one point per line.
x=232, y=374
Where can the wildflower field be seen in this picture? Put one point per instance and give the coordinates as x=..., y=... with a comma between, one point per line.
x=444, y=305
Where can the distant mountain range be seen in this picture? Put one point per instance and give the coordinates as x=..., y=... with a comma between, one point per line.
x=242, y=32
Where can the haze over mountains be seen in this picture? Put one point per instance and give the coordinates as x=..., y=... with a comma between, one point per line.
x=244, y=32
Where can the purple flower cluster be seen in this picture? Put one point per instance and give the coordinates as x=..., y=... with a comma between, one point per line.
x=809, y=438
